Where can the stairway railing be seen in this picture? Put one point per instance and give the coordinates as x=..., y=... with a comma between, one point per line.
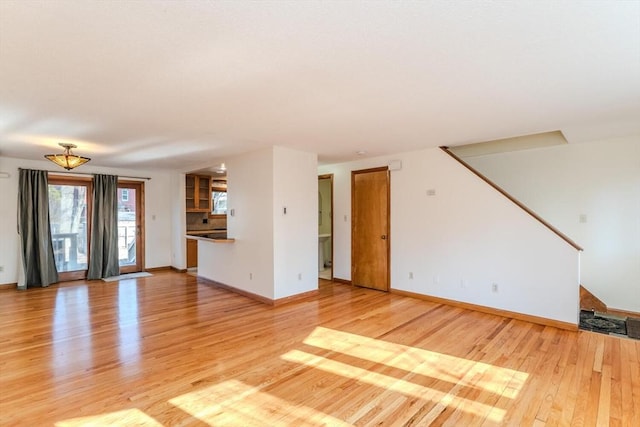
x=512, y=199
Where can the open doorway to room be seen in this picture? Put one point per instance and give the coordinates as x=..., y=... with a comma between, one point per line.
x=325, y=227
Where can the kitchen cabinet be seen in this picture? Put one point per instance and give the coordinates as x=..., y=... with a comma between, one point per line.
x=192, y=253
x=198, y=193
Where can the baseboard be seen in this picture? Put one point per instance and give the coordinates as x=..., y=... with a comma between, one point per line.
x=260, y=298
x=489, y=310
x=8, y=285
x=157, y=269
x=179, y=270
x=343, y=281
x=244, y=293
x=295, y=298
x=623, y=312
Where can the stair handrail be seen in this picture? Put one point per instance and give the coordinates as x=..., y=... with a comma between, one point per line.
x=513, y=199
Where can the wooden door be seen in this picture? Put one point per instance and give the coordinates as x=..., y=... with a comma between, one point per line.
x=370, y=228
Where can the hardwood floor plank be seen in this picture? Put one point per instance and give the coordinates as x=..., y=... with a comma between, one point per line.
x=169, y=350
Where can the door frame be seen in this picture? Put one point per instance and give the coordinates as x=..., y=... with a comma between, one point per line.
x=388, y=230
x=329, y=176
x=59, y=179
x=138, y=186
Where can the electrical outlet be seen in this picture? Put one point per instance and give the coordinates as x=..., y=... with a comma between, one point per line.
x=494, y=287
x=411, y=275
x=250, y=276
x=436, y=280
x=299, y=276
x=1, y=268
x=463, y=283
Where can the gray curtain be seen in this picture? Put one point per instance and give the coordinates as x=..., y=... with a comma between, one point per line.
x=33, y=227
x=103, y=255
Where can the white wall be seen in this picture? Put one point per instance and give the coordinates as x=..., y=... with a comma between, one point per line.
x=599, y=179
x=462, y=240
x=246, y=264
x=178, y=225
x=295, y=186
x=274, y=255
x=157, y=205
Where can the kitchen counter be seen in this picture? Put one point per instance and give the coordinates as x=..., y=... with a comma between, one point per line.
x=204, y=238
x=210, y=231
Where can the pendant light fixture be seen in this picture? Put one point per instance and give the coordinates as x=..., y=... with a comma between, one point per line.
x=67, y=160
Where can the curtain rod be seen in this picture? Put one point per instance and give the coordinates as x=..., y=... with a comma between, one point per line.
x=90, y=174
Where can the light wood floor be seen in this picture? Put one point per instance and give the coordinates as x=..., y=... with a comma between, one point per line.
x=169, y=351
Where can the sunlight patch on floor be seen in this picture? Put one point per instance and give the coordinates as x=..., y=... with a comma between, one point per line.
x=235, y=403
x=398, y=385
x=502, y=381
x=127, y=417
x=453, y=374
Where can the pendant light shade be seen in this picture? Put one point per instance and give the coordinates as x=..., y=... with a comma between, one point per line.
x=67, y=160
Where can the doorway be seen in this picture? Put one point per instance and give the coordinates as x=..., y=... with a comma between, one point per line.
x=325, y=227
x=130, y=226
x=70, y=222
x=370, y=211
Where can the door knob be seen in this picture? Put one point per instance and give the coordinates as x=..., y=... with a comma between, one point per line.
x=383, y=237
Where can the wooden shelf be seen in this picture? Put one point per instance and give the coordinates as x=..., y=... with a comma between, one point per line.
x=198, y=193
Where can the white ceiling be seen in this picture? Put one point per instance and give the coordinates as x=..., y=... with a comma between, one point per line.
x=150, y=84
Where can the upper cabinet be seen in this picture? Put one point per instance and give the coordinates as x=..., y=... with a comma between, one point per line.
x=198, y=193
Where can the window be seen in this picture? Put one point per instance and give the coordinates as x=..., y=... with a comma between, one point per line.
x=218, y=198
x=218, y=202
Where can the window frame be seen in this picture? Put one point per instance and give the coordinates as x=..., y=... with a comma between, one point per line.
x=220, y=187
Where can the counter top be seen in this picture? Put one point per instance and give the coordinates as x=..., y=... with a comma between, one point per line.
x=209, y=239
x=211, y=231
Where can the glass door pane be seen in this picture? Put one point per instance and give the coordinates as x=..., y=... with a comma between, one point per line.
x=68, y=219
x=127, y=226
x=130, y=226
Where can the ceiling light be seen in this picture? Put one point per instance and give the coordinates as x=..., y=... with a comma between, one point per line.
x=361, y=152
x=67, y=160
x=222, y=168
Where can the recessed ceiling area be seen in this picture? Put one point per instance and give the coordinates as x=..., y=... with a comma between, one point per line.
x=178, y=85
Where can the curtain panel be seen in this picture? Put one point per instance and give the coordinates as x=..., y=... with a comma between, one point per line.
x=103, y=260
x=38, y=260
